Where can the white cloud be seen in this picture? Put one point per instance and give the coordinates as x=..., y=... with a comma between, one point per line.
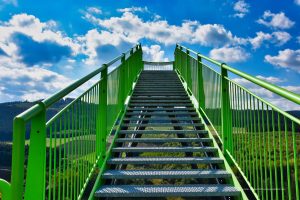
x=229, y=54
x=134, y=9
x=32, y=27
x=163, y=32
x=297, y=2
x=18, y=82
x=278, y=38
x=281, y=37
x=154, y=53
x=242, y=8
x=288, y=59
x=94, y=10
x=277, y=21
x=94, y=39
x=259, y=39
x=271, y=79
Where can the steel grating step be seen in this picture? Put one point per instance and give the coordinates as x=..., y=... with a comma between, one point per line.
x=166, y=190
x=160, y=109
x=160, y=113
x=165, y=160
x=161, y=105
x=162, y=119
x=161, y=124
x=159, y=98
x=160, y=101
x=165, y=174
x=169, y=86
x=163, y=132
x=163, y=140
x=164, y=149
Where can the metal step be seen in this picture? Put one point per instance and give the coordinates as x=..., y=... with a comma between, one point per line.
x=164, y=149
x=163, y=140
x=164, y=174
x=160, y=101
x=162, y=104
x=159, y=95
x=166, y=191
x=160, y=113
x=165, y=160
x=154, y=86
x=160, y=98
x=160, y=109
x=161, y=124
x=163, y=132
x=162, y=119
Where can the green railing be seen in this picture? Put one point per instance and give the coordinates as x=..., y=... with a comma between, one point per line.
x=259, y=139
x=65, y=151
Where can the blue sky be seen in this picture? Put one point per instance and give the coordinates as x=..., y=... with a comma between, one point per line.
x=46, y=45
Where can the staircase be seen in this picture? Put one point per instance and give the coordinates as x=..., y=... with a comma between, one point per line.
x=163, y=149
x=157, y=144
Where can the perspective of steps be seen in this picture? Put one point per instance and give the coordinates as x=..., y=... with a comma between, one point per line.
x=163, y=149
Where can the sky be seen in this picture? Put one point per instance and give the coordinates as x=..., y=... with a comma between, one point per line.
x=46, y=45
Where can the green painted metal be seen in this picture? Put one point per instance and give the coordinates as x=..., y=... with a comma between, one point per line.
x=36, y=158
x=226, y=115
x=65, y=151
x=5, y=189
x=262, y=140
x=258, y=138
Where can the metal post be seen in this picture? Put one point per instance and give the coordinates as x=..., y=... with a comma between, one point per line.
x=131, y=67
x=188, y=70
x=18, y=157
x=226, y=117
x=180, y=61
x=123, y=80
x=35, y=179
x=201, y=94
x=102, y=116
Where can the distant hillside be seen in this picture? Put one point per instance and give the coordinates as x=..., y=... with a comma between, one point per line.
x=9, y=110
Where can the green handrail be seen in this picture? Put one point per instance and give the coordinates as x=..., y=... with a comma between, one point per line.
x=258, y=138
x=77, y=134
x=271, y=87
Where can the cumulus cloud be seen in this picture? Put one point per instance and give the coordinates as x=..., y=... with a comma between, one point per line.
x=276, y=21
x=163, y=32
x=229, y=54
x=101, y=46
x=134, y=9
x=288, y=59
x=154, y=53
x=23, y=30
x=26, y=46
x=242, y=8
x=94, y=10
x=278, y=38
x=18, y=82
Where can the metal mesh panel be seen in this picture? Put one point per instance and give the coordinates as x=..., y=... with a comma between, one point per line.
x=156, y=66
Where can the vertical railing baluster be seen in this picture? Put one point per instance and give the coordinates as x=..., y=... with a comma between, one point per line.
x=226, y=116
x=102, y=116
x=201, y=95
